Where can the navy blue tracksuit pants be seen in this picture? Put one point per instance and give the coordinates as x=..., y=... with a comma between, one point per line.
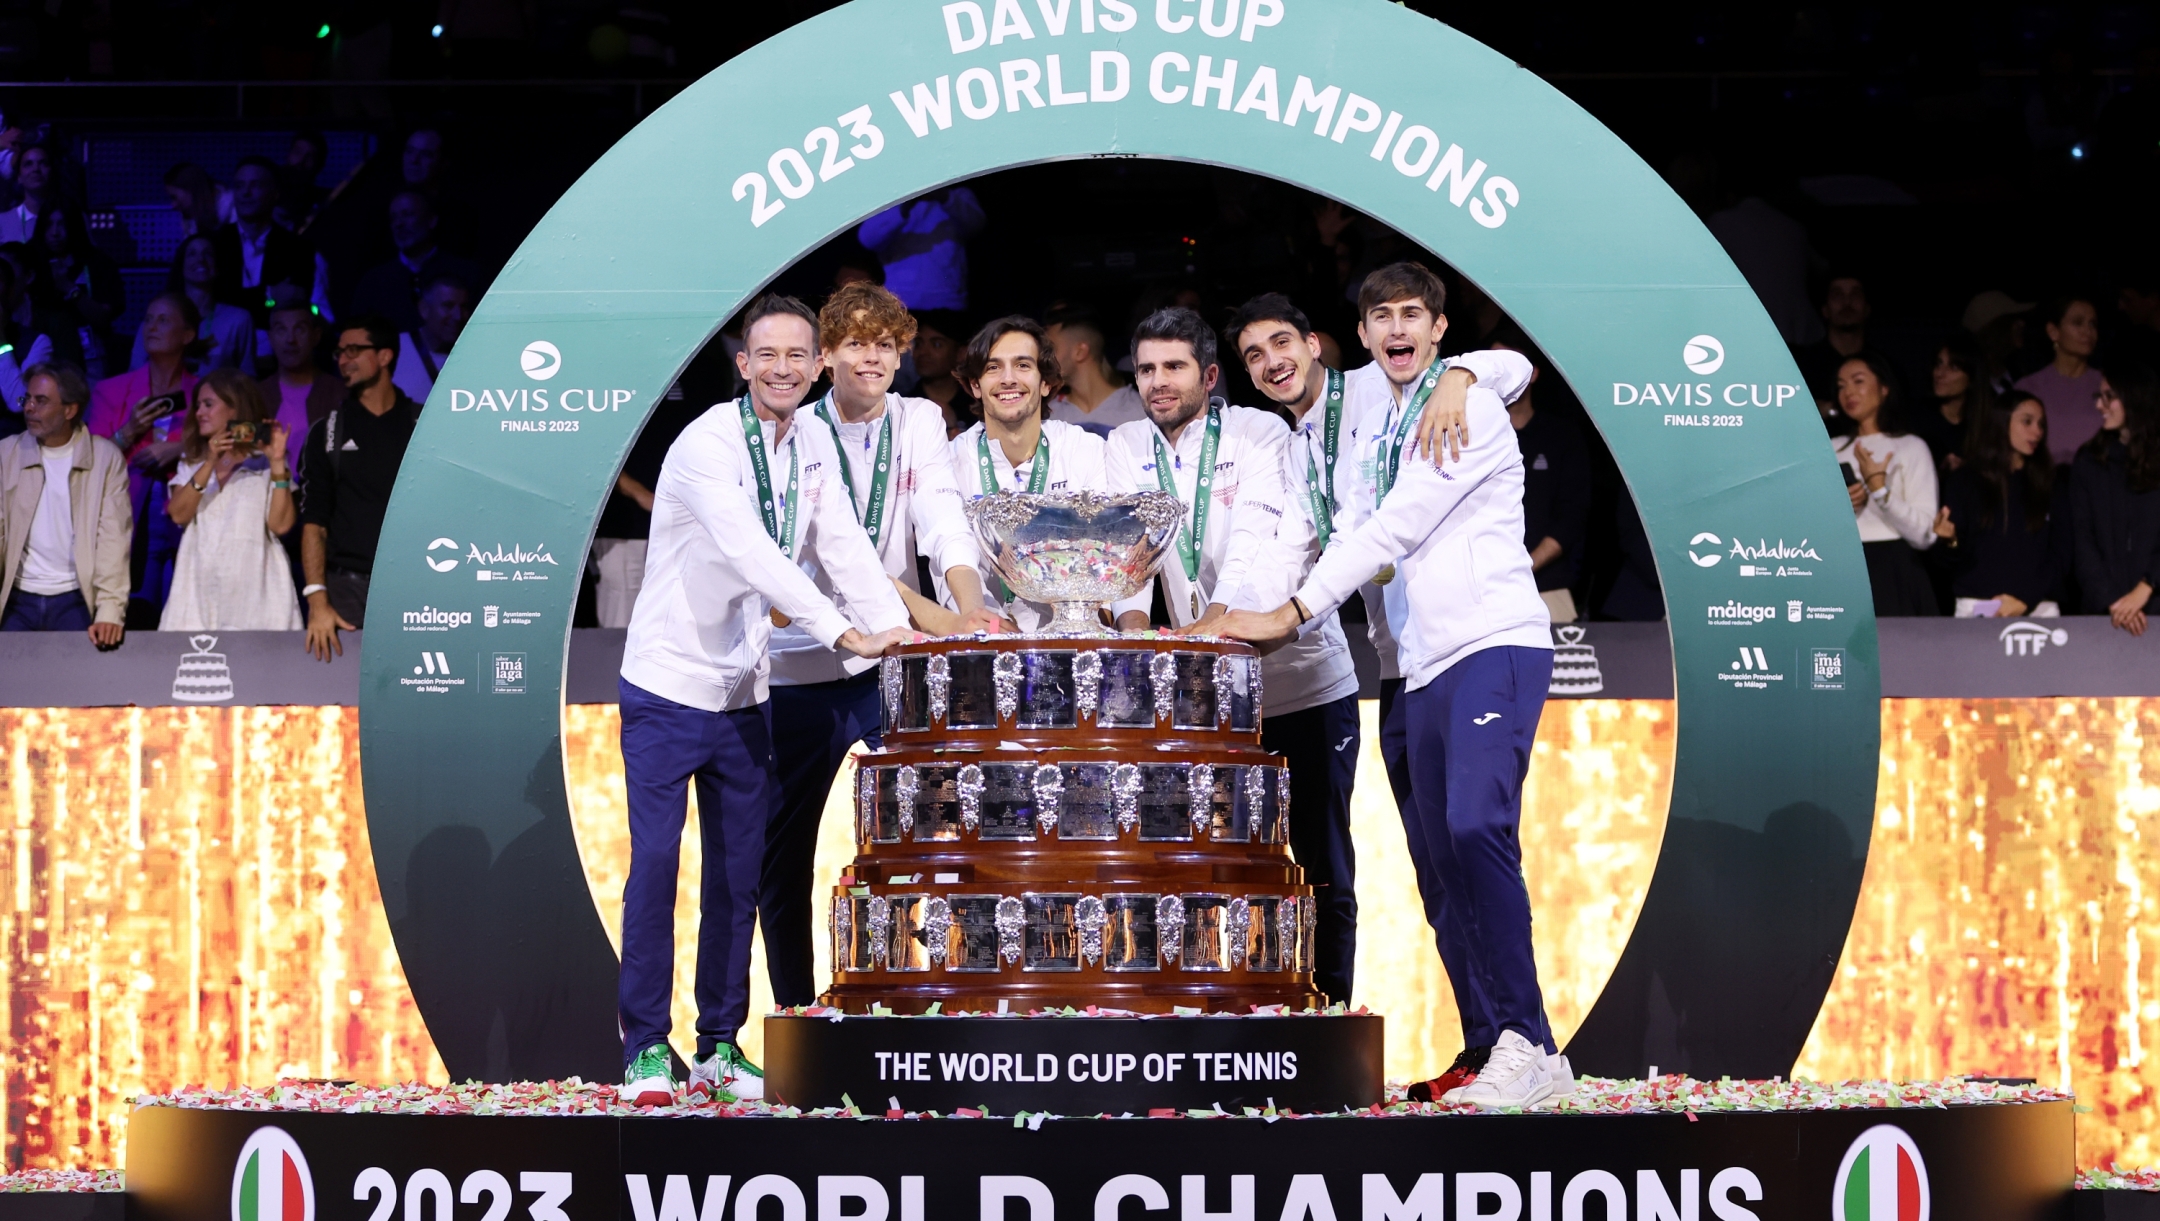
x=666, y=746
x=1471, y=1005
x=1469, y=733
x=814, y=727
x=1321, y=746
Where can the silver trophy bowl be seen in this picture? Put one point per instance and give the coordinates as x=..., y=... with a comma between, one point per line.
x=1076, y=551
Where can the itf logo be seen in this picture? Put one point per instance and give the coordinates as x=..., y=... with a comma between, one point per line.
x=541, y=360
x=271, y=1180
x=1881, y=1179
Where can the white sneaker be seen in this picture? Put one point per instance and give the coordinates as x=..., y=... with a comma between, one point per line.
x=728, y=1071
x=1519, y=1074
x=1563, y=1077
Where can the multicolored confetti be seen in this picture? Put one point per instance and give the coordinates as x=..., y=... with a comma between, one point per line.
x=63, y=1180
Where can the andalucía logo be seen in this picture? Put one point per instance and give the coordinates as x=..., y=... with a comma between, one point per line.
x=271, y=1180
x=1881, y=1179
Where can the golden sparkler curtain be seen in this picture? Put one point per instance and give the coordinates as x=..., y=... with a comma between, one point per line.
x=189, y=898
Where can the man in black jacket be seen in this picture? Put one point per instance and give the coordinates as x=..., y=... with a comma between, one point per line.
x=257, y=259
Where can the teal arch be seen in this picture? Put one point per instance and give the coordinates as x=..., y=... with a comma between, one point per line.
x=1518, y=188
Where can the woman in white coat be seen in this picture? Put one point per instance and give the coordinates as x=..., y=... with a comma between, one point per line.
x=233, y=496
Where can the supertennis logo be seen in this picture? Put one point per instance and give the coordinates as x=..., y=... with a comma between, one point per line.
x=271, y=1180
x=1883, y=1178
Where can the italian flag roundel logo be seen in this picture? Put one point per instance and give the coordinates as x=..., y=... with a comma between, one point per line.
x=1881, y=1179
x=271, y=1180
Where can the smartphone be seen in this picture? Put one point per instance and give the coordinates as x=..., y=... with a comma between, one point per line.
x=1851, y=476
x=243, y=432
x=165, y=410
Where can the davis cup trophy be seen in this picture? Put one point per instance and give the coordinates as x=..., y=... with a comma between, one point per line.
x=1072, y=817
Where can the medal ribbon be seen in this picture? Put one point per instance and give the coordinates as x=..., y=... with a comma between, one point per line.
x=1404, y=429
x=755, y=435
x=1191, y=537
x=1038, y=476
x=1322, y=497
x=873, y=516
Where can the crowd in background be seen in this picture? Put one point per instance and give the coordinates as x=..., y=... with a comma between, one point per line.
x=226, y=466
x=2008, y=465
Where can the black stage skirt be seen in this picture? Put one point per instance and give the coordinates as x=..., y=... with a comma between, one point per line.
x=1901, y=584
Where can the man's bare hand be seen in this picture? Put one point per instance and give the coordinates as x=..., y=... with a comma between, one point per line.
x=983, y=619
x=1257, y=627
x=323, y=626
x=1446, y=419
x=879, y=644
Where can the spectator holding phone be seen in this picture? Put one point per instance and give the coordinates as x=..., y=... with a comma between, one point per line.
x=2116, y=485
x=233, y=496
x=2006, y=539
x=144, y=412
x=1890, y=476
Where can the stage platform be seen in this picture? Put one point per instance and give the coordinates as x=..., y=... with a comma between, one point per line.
x=1671, y=1148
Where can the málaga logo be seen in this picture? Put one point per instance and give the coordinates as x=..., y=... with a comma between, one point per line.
x=1881, y=1179
x=271, y=1180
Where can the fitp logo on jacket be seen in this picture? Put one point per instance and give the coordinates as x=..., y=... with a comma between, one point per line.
x=1883, y=1178
x=271, y=1180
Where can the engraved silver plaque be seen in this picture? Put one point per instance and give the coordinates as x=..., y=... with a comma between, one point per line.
x=866, y=794
x=973, y=702
x=914, y=710
x=1008, y=802
x=1128, y=690
x=1263, y=812
x=1046, y=690
x=843, y=932
x=1049, y=785
x=1200, y=797
x=1205, y=916
x=879, y=926
x=1006, y=671
x=859, y=952
x=1237, y=929
x=1052, y=935
x=1086, y=805
x=1286, y=931
x=936, y=803
x=893, y=796
x=973, y=944
x=1193, y=691
x=1091, y=917
x=1128, y=940
x=907, y=948
x=1169, y=926
x=1263, y=949
x=1308, y=919
x=1237, y=691
x=1011, y=924
x=1228, y=818
x=1087, y=682
x=1165, y=802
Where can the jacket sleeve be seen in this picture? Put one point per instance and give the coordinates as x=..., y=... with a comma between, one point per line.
x=1121, y=475
x=942, y=532
x=2088, y=552
x=2055, y=567
x=1256, y=515
x=115, y=540
x=844, y=551
x=1908, y=498
x=706, y=479
x=315, y=481
x=1413, y=510
x=881, y=228
x=1500, y=370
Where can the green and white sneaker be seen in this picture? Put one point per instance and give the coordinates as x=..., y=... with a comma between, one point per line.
x=650, y=1079
x=727, y=1071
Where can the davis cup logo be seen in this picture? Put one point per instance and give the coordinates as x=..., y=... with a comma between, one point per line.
x=271, y=1180
x=1881, y=1179
x=1703, y=354
x=540, y=360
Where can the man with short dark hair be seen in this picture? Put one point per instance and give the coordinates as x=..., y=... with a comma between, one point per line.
x=299, y=393
x=256, y=257
x=1008, y=366
x=65, y=522
x=347, y=469
x=393, y=288
x=746, y=490
x=445, y=304
x=1095, y=397
x=1223, y=463
x=1845, y=308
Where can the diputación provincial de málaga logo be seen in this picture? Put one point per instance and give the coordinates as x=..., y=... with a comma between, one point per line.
x=1883, y=1178
x=271, y=1180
